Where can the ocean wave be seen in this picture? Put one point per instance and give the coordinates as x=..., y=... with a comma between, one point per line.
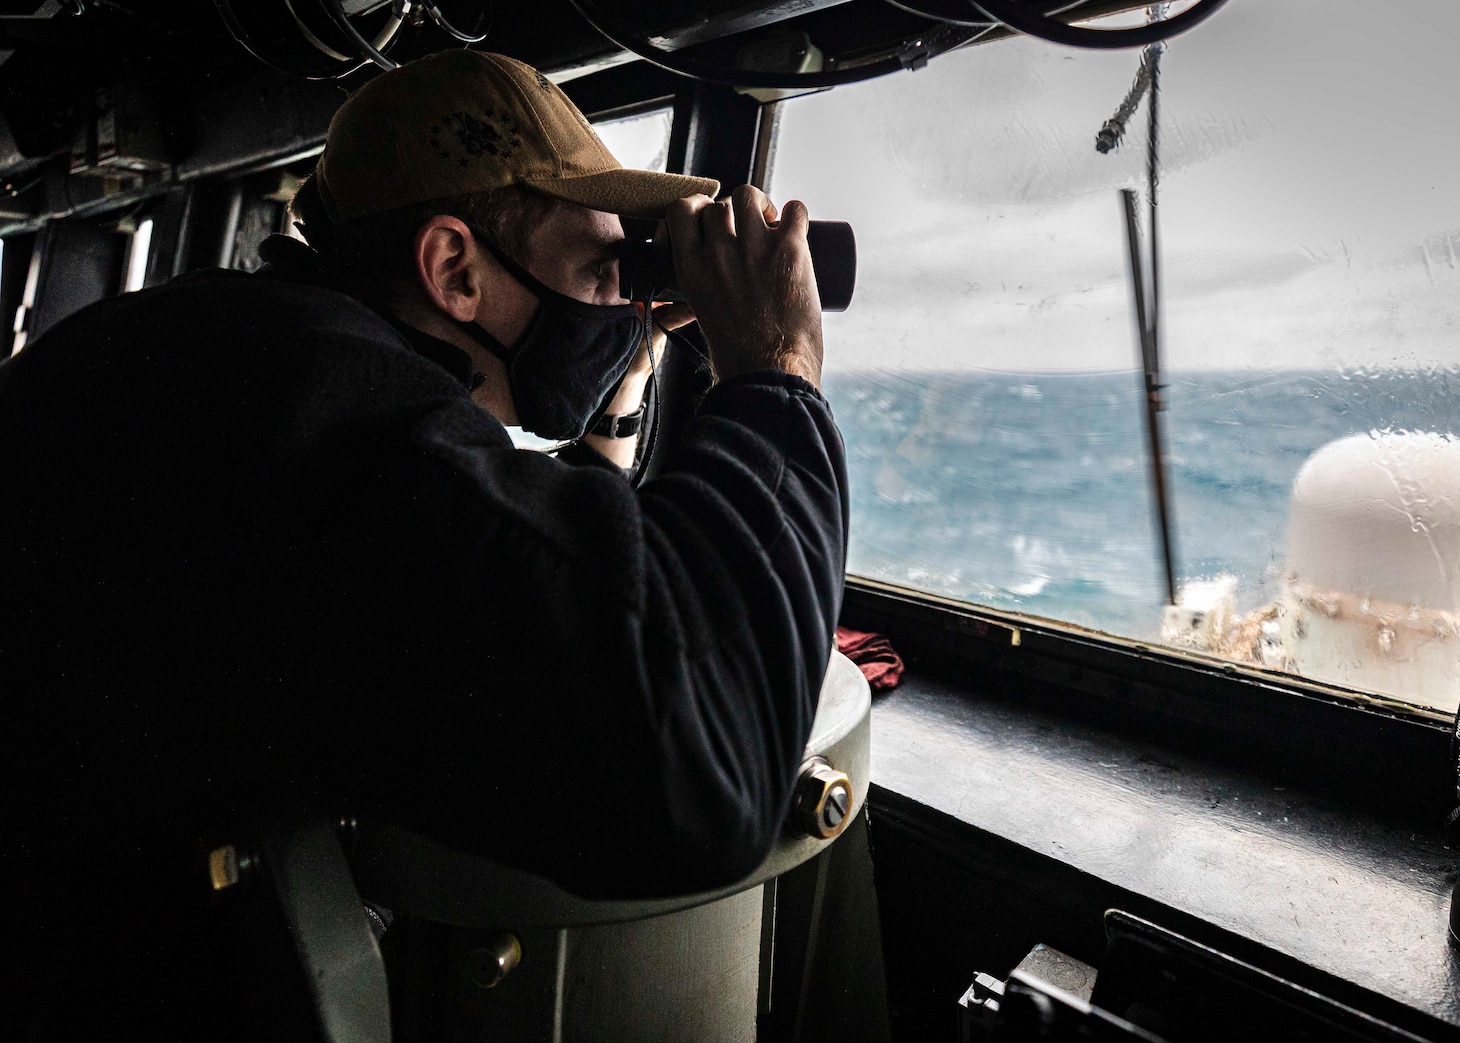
x=1033, y=493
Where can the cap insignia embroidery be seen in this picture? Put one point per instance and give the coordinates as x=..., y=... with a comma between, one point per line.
x=463, y=137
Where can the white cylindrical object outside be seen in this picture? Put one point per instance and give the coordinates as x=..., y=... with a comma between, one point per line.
x=1371, y=598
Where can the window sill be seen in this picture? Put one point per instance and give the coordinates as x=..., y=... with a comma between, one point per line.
x=1028, y=805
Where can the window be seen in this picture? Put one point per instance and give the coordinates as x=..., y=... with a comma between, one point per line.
x=987, y=379
x=639, y=142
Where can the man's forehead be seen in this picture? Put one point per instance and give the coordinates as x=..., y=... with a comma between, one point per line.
x=573, y=224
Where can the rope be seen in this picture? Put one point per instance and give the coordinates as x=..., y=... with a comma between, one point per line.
x=1148, y=294
x=1110, y=134
x=1153, y=178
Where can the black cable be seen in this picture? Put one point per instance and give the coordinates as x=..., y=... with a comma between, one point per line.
x=1025, y=19
x=971, y=23
x=1053, y=8
x=649, y=432
x=484, y=24
x=241, y=35
x=1114, y=129
x=366, y=48
x=684, y=65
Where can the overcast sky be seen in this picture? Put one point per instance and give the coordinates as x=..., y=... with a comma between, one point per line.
x=1310, y=206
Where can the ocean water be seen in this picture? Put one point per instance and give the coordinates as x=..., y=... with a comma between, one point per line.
x=1032, y=492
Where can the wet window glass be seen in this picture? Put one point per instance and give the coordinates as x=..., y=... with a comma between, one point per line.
x=638, y=142
x=987, y=377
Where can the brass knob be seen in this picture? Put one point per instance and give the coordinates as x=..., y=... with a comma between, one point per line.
x=229, y=867
x=822, y=804
x=492, y=961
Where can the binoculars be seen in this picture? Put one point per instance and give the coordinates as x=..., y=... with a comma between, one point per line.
x=646, y=262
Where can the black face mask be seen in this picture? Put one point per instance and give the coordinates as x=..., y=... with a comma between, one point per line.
x=569, y=358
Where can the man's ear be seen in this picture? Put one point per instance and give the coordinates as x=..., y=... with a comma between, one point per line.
x=448, y=267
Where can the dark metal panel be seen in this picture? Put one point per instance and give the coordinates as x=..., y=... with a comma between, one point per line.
x=824, y=979
x=1383, y=756
x=212, y=226
x=696, y=24
x=266, y=119
x=333, y=943
x=1000, y=826
x=80, y=264
x=624, y=90
x=171, y=223
x=684, y=103
x=720, y=137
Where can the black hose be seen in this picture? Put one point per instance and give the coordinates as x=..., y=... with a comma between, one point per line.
x=484, y=24
x=684, y=65
x=1048, y=8
x=366, y=48
x=971, y=23
x=244, y=40
x=1026, y=19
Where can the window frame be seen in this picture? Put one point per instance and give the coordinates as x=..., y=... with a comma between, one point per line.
x=1383, y=754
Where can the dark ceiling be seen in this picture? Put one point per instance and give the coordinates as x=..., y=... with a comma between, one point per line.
x=176, y=69
x=173, y=78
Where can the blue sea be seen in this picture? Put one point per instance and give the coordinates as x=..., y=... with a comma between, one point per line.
x=1032, y=492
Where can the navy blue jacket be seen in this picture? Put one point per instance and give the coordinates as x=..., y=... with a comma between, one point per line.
x=254, y=539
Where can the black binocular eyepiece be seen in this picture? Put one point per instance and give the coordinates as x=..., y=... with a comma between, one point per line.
x=646, y=262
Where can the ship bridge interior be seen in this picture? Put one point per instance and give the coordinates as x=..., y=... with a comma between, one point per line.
x=1149, y=392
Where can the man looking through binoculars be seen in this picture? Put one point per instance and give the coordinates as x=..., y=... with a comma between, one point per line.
x=268, y=532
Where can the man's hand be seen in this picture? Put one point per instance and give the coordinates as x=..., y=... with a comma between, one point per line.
x=667, y=316
x=749, y=278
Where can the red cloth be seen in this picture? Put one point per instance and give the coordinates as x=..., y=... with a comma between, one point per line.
x=874, y=656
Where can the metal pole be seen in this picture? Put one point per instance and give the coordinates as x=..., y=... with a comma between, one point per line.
x=1137, y=271
x=1152, y=385
x=1153, y=177
x=765, y=144
x=1155, y=404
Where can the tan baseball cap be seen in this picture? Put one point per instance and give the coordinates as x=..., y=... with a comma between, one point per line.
x=461, y=122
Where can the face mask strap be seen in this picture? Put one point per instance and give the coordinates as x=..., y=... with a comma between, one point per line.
x=650, y=437
x=546, y=293
x=514, y=269
x=481, y=336
x=552, y=301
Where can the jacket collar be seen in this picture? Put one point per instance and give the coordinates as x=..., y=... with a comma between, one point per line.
x=287, y=258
